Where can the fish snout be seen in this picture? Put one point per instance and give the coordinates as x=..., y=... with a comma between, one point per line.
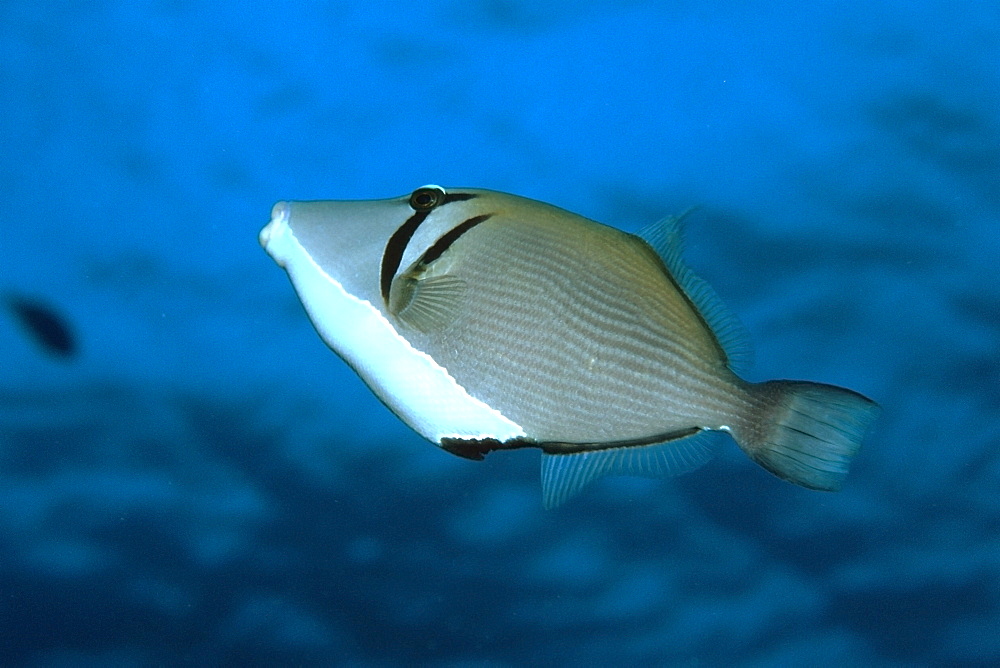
x=279, y=220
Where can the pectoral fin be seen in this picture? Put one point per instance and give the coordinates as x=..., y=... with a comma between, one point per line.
x=426, y=303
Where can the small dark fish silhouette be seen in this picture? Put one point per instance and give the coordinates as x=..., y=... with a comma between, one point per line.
x=45, y=326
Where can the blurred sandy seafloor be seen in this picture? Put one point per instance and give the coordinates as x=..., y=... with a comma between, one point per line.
x=204, y=483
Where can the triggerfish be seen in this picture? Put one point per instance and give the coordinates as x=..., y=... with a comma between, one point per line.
x=488, y=321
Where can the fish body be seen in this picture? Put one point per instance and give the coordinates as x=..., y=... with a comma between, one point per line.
x=488, y=321
x=45, y=326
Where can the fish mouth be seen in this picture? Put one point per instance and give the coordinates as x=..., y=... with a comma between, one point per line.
x=279, y=220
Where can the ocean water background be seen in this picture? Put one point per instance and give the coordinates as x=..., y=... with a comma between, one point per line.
x=204, y=483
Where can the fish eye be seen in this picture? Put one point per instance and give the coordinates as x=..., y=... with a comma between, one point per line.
x=426, y=198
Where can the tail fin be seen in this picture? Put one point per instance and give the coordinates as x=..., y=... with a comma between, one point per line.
x=806, y=433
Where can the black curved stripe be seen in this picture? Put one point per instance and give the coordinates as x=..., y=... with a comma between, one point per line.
x=478, y=448
x=394, y=249
x=396, y=246
x=557, y=448
x=452, y=235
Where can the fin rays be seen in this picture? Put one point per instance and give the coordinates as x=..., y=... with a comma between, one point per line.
x=811, y=432
x=666, y=237
x=427, y=304
x=564, y=475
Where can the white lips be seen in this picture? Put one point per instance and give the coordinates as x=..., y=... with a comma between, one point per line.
x=274, y=231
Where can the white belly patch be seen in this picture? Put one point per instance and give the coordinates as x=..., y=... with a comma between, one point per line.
x=418, y=389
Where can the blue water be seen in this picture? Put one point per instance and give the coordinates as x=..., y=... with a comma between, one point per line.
x=202, y=482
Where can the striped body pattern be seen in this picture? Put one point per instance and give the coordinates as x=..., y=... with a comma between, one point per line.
x=488, y=321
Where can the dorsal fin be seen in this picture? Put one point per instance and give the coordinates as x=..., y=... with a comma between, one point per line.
x=563, y=476
x=666, y=237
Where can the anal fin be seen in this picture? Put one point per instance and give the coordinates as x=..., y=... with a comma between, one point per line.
x=565, y=475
